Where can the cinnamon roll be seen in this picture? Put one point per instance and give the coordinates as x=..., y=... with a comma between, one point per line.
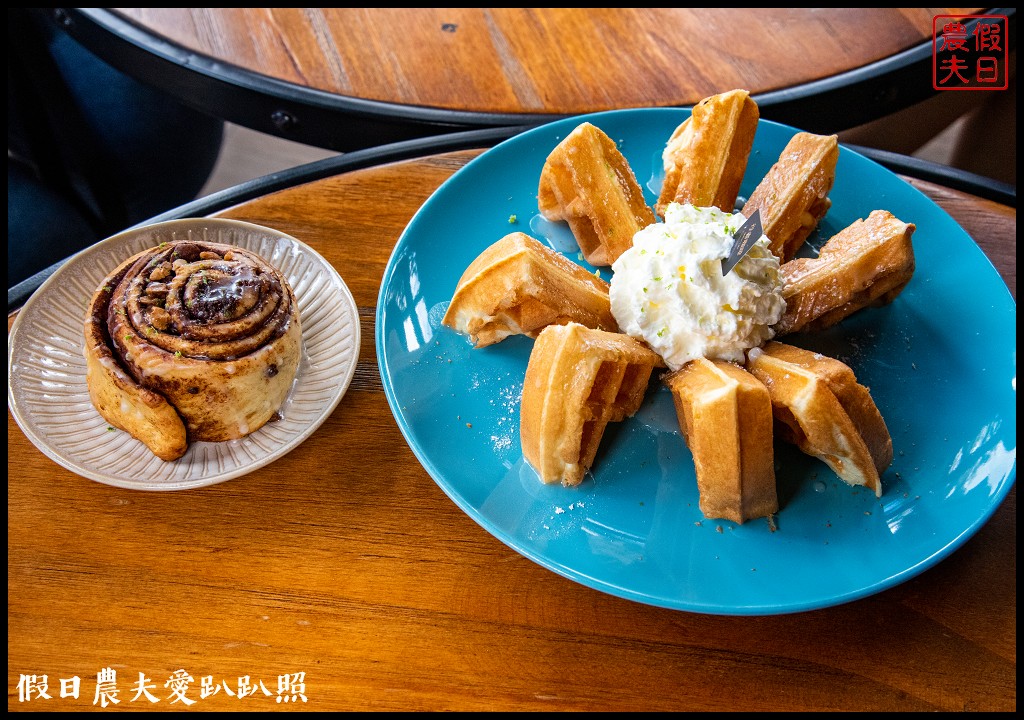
x=191, y=341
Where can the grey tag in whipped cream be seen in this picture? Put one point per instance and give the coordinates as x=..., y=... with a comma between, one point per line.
x=743, y=239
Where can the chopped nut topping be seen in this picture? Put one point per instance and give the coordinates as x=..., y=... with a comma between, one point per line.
x=160, y=273
x=160, y=318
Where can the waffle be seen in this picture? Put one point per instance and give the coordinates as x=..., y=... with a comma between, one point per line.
x=518, y=286
x=725, y=415
x=821, y=408
x=707, y=154
x=587, y=182
x=577, y=381
x=793, y=196
x=868, y=263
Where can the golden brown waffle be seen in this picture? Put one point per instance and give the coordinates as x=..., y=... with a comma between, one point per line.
x=518, y=286
x=793, y=196
x=588, y=183
x=725, y=415
x=577, y=381
x=868, y=263
x=707, y=154
x=822, y=409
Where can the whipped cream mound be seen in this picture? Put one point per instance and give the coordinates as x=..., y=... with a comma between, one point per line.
x=668, y=289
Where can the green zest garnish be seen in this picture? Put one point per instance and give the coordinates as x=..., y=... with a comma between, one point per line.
x=511, y=219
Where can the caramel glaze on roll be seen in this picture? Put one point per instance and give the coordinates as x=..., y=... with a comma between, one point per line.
x=191, y=341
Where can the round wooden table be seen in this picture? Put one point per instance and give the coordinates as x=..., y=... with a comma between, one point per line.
x=348, y=78
x=345, y=562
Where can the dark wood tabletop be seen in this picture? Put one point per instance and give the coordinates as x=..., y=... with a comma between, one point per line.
x=345, y=78
x=344, y=571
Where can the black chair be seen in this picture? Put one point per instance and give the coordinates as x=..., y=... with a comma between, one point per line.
x=90, y=151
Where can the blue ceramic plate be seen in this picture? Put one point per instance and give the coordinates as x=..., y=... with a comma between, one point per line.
x=940, y=362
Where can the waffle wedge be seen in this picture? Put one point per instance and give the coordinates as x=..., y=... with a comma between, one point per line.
x=588, y=183
x=821, y=408
x=577, y=381
x=725, y=415
x=518, y=286
x=868, y=263
x=793, y=195
x=706, y=156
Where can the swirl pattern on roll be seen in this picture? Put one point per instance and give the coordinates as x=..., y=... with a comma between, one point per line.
x=207, y=331
x=211, y=302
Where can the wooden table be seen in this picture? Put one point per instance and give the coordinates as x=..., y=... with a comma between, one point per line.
x=346, y=78
x=345, y=561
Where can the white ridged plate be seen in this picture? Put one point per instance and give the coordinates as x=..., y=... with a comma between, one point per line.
x=46, y=388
